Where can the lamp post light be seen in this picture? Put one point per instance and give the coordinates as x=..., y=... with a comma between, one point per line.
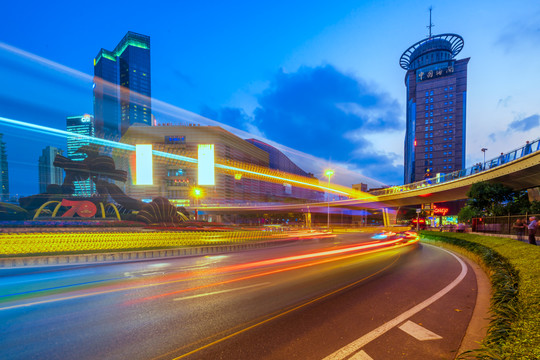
x=484, y=151
x=197, y=193
x=328, y=173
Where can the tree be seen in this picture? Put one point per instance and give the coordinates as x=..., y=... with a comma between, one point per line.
x=490, y=198
x=466, y=214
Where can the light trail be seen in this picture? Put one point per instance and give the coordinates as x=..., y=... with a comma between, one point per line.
x=373, y=249
x=122, y=146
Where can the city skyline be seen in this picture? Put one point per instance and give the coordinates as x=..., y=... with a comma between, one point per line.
x=368, y=114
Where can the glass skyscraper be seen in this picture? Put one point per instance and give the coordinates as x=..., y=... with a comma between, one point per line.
x=4, y=178
x=436, y=107
x=77, y=126
x=122, y=86
x=48, y=173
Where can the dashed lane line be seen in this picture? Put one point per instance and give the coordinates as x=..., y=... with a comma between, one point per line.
x=356, y=345
x=419, y=332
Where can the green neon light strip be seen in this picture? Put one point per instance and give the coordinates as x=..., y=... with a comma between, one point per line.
x=130, y=42
x=61, y=133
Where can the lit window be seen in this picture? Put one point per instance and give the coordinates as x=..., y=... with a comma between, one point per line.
x=431, y=121
x=427, y=93
x=427, y=128
x=427, y=101
x=445, y=96
x=431, y=141
x=444, y=167
x=450, y=166
x=445, y=89
x=427, y=121
x=430, y=156
x=444, y=160
x=451, y=95
x=451, y=88
x=425, y=156
x=426, y=150
x=431, y=93
x=431, y=148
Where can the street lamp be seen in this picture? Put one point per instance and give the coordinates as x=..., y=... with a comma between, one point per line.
x=328, y=173
x=484, y=151
x=197, y=193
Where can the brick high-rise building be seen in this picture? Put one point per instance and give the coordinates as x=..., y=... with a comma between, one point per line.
x=436, y=106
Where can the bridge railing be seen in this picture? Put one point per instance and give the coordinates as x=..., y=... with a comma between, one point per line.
x=528, y=148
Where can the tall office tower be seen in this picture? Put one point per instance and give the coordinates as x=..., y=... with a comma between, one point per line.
x=122, y=86
x=48, y=173
x=436, y=105
x=4, y=179
x=80, y=125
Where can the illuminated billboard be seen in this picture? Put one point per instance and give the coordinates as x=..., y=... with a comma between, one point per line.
x=143, y=165
x=206, y=165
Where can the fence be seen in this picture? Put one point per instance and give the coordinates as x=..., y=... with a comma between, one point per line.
x=500, y=224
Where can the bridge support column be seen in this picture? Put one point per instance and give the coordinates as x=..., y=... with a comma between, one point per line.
x=389, y=217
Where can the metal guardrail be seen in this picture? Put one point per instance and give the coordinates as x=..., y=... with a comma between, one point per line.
x=525, y=150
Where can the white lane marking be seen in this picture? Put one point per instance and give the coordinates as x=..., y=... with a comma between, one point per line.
x=361, y=356
x=362, y=341
x=419, y=332
x=220, y=292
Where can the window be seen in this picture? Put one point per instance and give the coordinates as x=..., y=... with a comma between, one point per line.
x=426, y=142
x=445, y=131
x=427, y=101
x=445, y=139
x=427, y=114
x=445, y=124
x=431, y=141
x=430, y=156
x=430, y=99
x=427, y=93
x=430, y=148
x=444, y=167
x=427, y=128
x=427, y=107
x=444, y=160
x=426, y=149
x=449, y=153
x=444, y=153
x=425, y=156
x=445, y=146
x=430, y=114
x=450, y=159
x=451, y=102
x=425, y=163
x=445, y=110
x=431, y=107
x=427, y=121
x=431, y=121
x=450, y=116
x=431, y=163
x=431, y=93
x=451, y=109
x=445, y=89
x=430, y=134
x=431, y=127
x=451, y=88
x=450, y=138
x=445, y=96
x=446, y=103
x=427, y=135
x=451, y=95
x=450, y=145
x=450, y=131
x=449, y=166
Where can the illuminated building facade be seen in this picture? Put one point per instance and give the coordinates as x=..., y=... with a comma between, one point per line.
x=436, y=107
x=80, y=125
x=4, y=178
x=122, y=86
x=48, y=173
x=175, y=180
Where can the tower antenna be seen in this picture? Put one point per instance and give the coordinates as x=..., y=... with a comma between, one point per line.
x=430, y=23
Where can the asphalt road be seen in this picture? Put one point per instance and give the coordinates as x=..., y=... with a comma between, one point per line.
x=336, y=298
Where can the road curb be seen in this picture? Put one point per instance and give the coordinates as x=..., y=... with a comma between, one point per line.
x=77, y=259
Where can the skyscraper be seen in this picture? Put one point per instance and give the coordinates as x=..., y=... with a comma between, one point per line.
x=80, y=125
x=436, y=106
x=122, y=86
x=48, y=173
x=4, y=178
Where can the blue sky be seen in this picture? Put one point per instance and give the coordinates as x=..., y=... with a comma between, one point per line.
x=316, y=76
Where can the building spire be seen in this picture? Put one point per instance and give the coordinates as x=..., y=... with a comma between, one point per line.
x=430, y=23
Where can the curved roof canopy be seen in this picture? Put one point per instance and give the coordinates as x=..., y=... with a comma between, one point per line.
x=451, y=43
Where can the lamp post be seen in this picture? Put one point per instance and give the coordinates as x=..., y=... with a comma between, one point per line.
x=197, y=192
x=484, y=151
x=328, y=173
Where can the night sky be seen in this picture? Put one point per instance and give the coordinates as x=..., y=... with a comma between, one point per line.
x=317, y=77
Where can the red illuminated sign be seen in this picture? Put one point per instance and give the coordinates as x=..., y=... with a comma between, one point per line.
x=440, y=211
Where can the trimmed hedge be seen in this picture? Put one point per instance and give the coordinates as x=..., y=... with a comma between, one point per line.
x=514, y=269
